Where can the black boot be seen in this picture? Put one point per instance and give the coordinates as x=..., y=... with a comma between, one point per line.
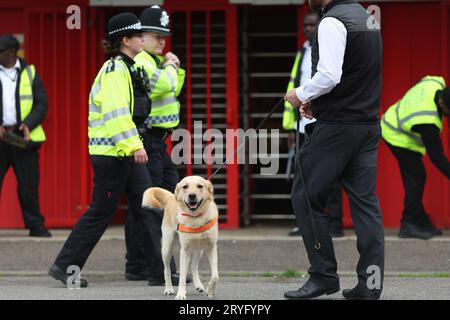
x=58, y=274
x=412, y=231
x=40, y=232
x=357, y=293
x=310, y=290
x=426, y=224
x=295, y=232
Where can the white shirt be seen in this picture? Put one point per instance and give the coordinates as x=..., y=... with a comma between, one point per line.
x=305, y=76
x=8, y=79
x=332, y=37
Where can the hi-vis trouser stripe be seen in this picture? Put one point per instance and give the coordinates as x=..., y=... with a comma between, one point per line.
x=109, y=116
x=163, y=119
x=113, y=140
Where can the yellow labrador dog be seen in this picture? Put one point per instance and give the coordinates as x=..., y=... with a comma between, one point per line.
x=192, y=213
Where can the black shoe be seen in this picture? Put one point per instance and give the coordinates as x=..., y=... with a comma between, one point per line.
x=337, y=234
x=359, y=294
x=295, y=232
x=427, y=225
x=409, y=230
x=40, y=232
x=136, y=276
x=160, y=281
x=310, y=290
x=56, y=273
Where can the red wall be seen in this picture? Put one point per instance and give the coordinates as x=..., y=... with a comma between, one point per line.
x=415, y=39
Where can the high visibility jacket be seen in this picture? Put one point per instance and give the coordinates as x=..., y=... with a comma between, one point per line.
x=290, y=113
x=165, y=87
x=416, y=107
x=112, y=131
x=26, y=101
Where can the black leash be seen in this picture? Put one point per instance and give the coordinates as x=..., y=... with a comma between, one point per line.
x=243, y=142
x=317, y=244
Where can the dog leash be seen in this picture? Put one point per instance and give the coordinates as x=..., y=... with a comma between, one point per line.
x=317, y=244
x=243, y=142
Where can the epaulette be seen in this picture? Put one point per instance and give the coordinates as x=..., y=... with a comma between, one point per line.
x=111, y=66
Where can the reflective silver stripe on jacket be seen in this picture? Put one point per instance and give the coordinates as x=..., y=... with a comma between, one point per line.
x=172, y=82
x=163, y=102
x=154, y=79
x=109, y=116
x=30, y=77
x=124, y=135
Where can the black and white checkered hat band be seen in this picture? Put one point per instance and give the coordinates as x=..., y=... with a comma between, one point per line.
x=136, y=26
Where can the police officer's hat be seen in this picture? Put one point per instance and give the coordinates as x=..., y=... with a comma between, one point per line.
x=155, y=19
x=123, y=24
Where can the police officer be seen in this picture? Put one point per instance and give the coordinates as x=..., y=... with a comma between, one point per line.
x=166, y=82
x=301, y=72
x=343, y=95
x=117, y=154
x=411, y=127
x=23, y=106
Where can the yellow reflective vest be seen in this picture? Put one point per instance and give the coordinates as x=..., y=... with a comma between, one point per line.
x=290, y=113
x=416, y=107
x=26, y=101
x=165, y=87
x=111, y=129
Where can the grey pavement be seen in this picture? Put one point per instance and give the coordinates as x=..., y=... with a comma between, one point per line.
x=251, y=264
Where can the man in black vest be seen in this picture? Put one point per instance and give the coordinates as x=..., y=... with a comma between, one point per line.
x=344, y=96
x=25, y=159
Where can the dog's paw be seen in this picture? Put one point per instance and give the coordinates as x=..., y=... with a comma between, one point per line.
x=200, y=288
x=210, y=291
x=169, y=291
x=180, y=296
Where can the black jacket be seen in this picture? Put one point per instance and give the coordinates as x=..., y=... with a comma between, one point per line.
x=433, y=144
x=40, y=101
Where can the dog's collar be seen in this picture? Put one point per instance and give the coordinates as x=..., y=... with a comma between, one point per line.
x=207, y=226
x=187, y=214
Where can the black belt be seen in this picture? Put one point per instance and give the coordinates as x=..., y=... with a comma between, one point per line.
x=11, y=128
x=159, y=133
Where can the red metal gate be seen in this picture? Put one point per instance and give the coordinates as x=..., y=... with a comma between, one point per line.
x=205, y=36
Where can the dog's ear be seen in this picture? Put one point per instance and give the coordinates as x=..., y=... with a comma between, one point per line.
x=210, y=188
x=177, y=191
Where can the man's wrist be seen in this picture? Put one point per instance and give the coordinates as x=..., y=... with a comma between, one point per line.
x=301, y=94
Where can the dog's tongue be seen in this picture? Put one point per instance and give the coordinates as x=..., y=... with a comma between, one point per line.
x=192, y=205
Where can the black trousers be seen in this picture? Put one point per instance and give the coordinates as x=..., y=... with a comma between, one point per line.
x=164, y=175
x=25, y=163
x=112, y=177
x=414, y=177
x=346, y=153
x=334, y=202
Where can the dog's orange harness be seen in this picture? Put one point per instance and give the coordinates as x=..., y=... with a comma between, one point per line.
x=207, y=226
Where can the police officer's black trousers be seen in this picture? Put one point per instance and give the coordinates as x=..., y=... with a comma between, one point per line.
x=25, y=163
x=164, y=175
x=334, y=202
x=346, y=153
x=414, y=177
x=112, y=177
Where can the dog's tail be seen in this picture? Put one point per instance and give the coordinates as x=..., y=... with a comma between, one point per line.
x=156, y=198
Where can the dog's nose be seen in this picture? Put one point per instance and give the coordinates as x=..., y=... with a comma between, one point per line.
x=192, y=196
